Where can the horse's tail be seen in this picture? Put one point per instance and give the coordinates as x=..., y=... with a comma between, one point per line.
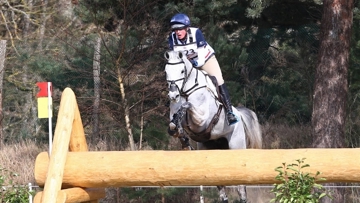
x=252, y=128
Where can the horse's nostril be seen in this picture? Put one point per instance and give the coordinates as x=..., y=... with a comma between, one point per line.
x=172, y=87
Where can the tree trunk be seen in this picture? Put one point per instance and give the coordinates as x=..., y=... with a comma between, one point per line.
x=127, y=110
x=96, y=73
x=27, y=17
x=2, y=70
x=123, y=96
x=42, y=25
x=66, y=9
x=331, y=82
x=331, y=78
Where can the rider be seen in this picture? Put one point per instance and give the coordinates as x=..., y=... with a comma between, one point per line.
x=191, y=41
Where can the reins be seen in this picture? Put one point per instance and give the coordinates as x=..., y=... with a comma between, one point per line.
x=194, y=88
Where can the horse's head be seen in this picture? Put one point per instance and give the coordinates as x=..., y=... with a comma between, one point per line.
x=177, y=70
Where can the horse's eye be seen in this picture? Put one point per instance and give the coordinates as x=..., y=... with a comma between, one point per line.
x=182, y=71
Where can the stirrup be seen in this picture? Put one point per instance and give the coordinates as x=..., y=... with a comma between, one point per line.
x=231, y=118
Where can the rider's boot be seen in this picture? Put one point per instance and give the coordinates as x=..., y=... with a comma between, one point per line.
x=230, y=116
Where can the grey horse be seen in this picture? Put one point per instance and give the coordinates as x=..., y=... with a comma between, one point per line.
x=196, y=111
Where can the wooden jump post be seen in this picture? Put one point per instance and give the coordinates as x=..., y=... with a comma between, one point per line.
x=70, y=175
x=69, y=136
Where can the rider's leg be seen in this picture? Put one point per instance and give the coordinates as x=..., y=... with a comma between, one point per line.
x=231, y=118
x=212, y=68
x=175, y=123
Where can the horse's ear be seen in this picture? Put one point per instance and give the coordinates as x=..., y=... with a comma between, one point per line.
x=167, y=56
x=180, y=54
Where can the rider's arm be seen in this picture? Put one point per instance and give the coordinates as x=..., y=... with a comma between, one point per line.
x=201, y=48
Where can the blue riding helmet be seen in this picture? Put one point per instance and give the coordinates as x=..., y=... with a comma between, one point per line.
x=179, y=21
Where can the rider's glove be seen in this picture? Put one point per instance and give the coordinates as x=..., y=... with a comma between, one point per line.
x=195, y=63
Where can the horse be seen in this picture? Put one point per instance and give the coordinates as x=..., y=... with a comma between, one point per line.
x=196, y=111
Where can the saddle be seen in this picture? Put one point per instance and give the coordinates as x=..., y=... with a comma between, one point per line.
x=214, y=81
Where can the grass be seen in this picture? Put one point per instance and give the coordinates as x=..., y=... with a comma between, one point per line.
x=20, y=158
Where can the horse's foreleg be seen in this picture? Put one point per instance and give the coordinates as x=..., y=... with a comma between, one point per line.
x=198, y=114
x=175, y=128
x=185, y=143
x=241, y=189
x=222, y=194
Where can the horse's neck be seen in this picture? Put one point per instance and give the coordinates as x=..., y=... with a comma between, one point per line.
x=205, y=87
x=193, y=79
x=210, y=86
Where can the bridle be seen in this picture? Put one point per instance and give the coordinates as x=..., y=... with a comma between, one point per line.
x=185, y=93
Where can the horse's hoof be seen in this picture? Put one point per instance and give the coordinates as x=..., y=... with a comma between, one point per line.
x=172, y=132
x=172, y=126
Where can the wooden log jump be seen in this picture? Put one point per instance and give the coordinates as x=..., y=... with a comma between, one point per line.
x=73, y=174
x=69, y=136
x=191, y=168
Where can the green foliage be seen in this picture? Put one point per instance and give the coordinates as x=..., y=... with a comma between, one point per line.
x=256, y=7
x=296, y=185
x=10, y=193
x=353, y=124
x=154, y=132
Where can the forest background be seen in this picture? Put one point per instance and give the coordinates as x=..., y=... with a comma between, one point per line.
x=110, y=52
